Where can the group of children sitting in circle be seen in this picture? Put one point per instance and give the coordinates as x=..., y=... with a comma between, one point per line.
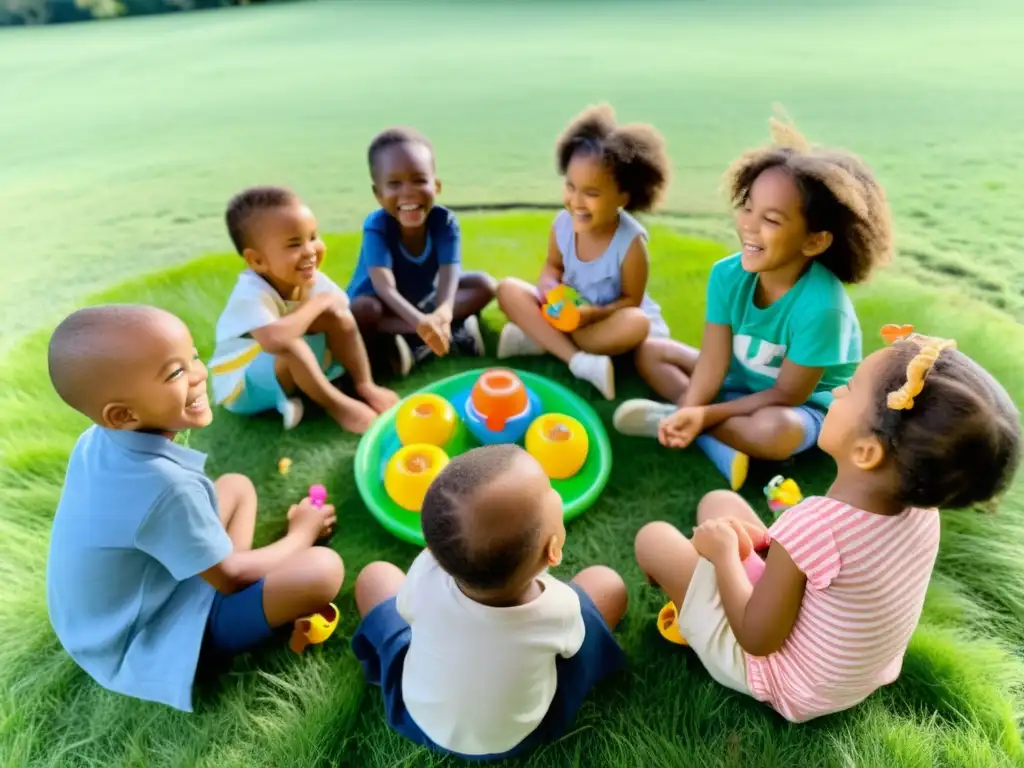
x=152, y=576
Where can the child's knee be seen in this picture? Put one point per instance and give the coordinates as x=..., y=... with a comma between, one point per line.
x=634, y=322
x=326, y=571
x=480, y=283
x=778, y=431
x=367, y=311
x=713, y=502
x=650, y=540
x=236, y=486
x=511, y=292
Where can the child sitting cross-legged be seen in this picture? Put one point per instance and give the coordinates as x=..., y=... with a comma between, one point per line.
x=920, y=426
x=597, y=248
x=287, y=327
x=780, y=333
x=151, y=565
x=478, y=650
x=409, y=295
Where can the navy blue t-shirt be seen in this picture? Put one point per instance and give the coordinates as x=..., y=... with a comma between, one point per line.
x=415, y=276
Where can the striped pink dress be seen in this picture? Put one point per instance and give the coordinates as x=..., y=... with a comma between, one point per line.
x=866, y=579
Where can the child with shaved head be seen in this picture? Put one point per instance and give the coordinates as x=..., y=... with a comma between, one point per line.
x=150, y=563
x=479, y=651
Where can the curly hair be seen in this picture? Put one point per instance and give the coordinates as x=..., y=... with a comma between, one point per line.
x=392, y=137
x=957, y=441
x=840, y=195
x=447, y=512
x=243, y=206
x=635, y=154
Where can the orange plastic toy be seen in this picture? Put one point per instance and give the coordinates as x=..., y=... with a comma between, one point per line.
x=498, y=396
x=562, y=308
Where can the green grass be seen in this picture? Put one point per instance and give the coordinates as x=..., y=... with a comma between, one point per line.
x=122, y=141
x=956, y=704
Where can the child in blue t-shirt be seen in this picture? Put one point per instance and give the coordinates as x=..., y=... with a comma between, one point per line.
x=151, y=565
x=407, y=286
x=597, y=248
x=780, y=331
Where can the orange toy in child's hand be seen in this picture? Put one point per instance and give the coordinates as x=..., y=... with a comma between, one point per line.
x=562, y=308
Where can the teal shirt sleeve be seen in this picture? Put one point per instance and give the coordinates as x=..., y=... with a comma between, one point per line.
x=823, y=339
x=719, y=288
x=183, y=532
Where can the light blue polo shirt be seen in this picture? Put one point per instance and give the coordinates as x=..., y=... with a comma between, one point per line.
x=136, y=523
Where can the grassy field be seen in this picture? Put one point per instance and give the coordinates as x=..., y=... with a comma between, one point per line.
x=125, y=140
x=956, y=704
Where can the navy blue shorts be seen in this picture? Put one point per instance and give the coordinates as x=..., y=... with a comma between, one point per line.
x=236, y=623
x=382, y=641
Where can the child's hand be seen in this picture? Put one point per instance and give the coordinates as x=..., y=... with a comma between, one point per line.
x=309, y=522
x=717, y=539
x=436, y=331
x=682, y=427
x=589, y=313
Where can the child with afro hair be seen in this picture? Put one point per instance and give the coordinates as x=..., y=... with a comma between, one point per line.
x=597, y=248
x=780, y=332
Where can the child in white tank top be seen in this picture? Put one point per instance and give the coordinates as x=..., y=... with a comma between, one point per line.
x=597, y=248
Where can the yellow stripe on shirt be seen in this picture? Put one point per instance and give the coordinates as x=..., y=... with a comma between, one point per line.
x=237, y=363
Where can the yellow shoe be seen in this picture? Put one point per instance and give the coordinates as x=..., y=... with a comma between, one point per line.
x=668, y=626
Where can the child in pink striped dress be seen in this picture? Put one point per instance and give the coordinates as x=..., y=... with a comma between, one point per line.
x=920, y=426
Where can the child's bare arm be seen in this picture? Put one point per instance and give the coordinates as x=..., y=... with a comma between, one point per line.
x=635, y=270
x=276, y=336
x=384, y=286
x=712, y=365
x=238, y=570
x=447, y=287
x=761, y=616
x=551, y=273
x=794, y=386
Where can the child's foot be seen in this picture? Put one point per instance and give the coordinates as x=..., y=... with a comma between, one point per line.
x=291, y=411
x=377, y=397
x=641, y=418
x=597, y=369
x=466, y=337
x=730, y=462
x=353, y=416
x=514, y=343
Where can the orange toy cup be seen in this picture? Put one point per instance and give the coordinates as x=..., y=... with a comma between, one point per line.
x=498, y=396
x=561, y=309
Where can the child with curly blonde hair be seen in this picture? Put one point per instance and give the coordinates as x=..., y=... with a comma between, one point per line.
x=780, y=331
x=597, y=248
x=920, y=426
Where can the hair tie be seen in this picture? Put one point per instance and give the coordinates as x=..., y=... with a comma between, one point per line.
x=918, y=368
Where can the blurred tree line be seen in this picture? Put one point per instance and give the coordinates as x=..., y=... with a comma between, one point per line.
x=18, y=12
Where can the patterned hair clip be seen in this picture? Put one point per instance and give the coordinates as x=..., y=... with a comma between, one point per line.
x=892, y=333
x=918, y=368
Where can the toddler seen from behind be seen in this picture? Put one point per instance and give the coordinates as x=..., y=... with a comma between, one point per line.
x=478, y=650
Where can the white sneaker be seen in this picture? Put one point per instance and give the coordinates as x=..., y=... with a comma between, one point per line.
x=405, y=360
x=514, y=343
x=292, y=411
x=641, y=418
x=597, y=369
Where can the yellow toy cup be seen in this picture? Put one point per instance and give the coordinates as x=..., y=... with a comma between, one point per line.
x=559, y=443
x=426, y=419
x=411, y=471
x=668, y=624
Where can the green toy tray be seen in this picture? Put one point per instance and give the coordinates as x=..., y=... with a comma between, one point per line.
x=381, y=441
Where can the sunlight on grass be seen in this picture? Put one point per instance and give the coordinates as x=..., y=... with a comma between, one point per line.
x=957, y=702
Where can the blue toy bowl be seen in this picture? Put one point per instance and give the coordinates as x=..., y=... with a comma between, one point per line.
x=515, y=428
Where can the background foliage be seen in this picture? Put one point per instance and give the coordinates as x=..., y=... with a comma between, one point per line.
x=18, y=12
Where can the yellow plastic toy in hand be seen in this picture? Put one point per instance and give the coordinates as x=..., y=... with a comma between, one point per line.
x=782, y=493
x=315, y=628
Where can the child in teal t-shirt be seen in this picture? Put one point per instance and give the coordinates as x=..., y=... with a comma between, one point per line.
x=780, y=331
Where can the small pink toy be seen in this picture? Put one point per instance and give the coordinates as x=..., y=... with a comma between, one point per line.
x=317, y=495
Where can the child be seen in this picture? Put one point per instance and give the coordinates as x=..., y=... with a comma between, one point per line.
x=150, y=563
x=479, y=651
x=407, y=284
x=286, y=325
x=780, y=331
x=920, y=426
x=597, y=248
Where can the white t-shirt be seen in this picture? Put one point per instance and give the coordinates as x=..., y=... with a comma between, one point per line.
x=478, y=680
x=252, y=304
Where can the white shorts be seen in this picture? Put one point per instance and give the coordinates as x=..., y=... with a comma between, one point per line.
x=703, y=623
